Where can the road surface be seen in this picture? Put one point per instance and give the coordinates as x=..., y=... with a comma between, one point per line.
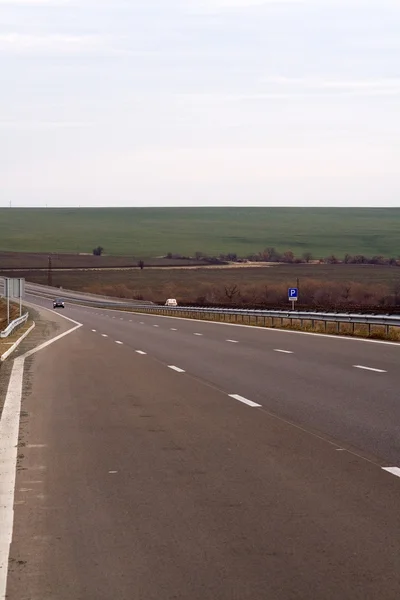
x=163, y=458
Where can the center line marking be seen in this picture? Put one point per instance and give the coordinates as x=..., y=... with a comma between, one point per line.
x=119, y=342
x=283, y=351
x=176, y=369
x=140, y=352
x=245, y=400
x=104, y=335
x=369, y=369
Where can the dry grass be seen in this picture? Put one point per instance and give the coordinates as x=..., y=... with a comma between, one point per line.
x=14, y=313
x=321, y=286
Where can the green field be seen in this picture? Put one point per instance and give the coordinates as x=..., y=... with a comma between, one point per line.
x=154, y=232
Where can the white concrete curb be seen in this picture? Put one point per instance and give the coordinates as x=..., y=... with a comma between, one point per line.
x=17, y=343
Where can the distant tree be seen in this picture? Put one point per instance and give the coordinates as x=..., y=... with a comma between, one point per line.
x=98, y=251
x=332, y=260
x=141, y=265
x=307, y=256
x=231, y=291
x=347, y=259
x=378, y=260
x=271, y=255
x=288, y=256
x=359, y=259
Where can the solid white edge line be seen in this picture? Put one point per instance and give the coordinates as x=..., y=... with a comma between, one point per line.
x=393, y=470
x=177, y=369
x=9, y=431
x=244, y=400
x=369, y=369
x=17, y=343
x=54, y=339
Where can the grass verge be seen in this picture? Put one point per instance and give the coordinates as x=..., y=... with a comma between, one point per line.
x=8, y=342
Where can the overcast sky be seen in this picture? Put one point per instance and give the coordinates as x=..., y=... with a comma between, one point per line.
x=200, y=102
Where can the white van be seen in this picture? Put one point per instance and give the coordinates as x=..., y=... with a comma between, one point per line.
x=171, y=302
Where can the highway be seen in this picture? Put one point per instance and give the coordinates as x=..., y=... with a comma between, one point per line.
x=166, y=458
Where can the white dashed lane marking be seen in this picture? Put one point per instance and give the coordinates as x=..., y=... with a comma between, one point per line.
x=94, y=330
x=232, y=341
x=245, y=400
x=369, y=369
x=117, y=342
x=177, y=369
x=140, y=352
x=104, y=335
x=199, y=334
x=283, y=351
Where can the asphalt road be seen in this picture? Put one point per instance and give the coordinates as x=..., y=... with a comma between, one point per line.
x=165, y=458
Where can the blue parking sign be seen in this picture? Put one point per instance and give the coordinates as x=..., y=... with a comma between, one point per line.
x=293, y=293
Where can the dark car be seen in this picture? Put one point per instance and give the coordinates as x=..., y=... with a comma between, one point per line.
x=58, y=303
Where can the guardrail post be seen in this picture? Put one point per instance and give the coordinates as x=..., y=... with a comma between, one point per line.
x=338, y=327
x=369, y=328
x=387, y=329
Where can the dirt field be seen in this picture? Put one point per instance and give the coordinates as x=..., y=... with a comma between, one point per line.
x=40, y=260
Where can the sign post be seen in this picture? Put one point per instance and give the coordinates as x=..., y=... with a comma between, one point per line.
x=14, y=288
x=293, y=295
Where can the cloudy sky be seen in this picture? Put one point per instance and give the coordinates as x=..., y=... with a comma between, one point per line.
x=200, y=102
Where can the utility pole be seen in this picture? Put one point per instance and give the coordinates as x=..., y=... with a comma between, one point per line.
x=50, y=274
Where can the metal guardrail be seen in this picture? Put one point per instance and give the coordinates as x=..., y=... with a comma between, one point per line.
x=13, y=325
x=261, y=316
